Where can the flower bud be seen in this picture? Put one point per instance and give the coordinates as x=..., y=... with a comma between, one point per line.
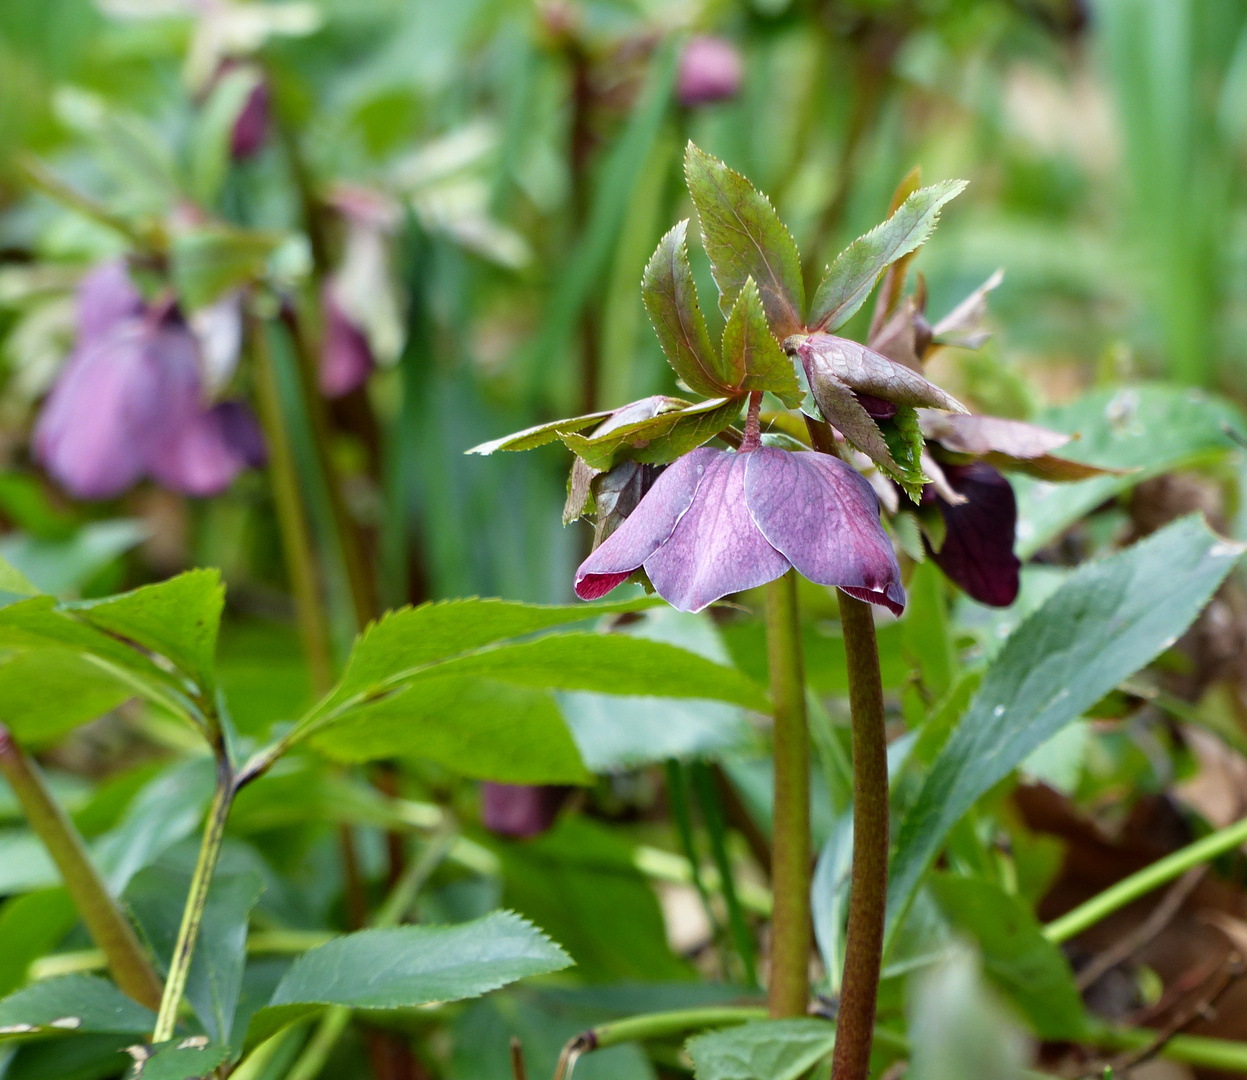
x=711, y=69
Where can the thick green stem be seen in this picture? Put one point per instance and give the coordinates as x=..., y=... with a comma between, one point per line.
x=291, y=519
x=1144, y=881
x=103, y=917
x=789, y=985
x=869, y=883
x=196, y=899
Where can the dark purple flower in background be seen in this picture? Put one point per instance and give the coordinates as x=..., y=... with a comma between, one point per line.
x=520, y=810
x=977, y=552
x=711, y=69
x=128, y=403
x=252, y=125
x=717, y=522
x=346, y=358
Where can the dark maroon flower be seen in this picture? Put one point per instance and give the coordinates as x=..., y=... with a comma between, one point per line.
x=345, y=355
x=129, y=404
x=711, y=70
x=251, y=127
x=717, y=522
x=520, y=810
x=977, y=552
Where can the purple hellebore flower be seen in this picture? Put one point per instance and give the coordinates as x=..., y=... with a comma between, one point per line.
x=977, y=553
x=345, y=356
x=711, y=69
x=717, y=522
x=251, y=127
x=128, y=403
x=520, y=810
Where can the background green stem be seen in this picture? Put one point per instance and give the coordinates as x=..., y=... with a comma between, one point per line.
x=789, y=985
x=869, y=883
x=103, y=917
x=196, y=899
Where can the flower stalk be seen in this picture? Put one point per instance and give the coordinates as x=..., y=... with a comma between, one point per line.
x=789, y=984
x=105, y=922
x=869, y=881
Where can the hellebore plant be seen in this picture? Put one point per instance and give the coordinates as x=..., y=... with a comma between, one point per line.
x=698, y=522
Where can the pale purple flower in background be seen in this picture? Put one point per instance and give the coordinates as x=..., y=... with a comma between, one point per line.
x=129, y=403
x=717, y=522
x=345, y=355
x=711, y=69
x=520, y=810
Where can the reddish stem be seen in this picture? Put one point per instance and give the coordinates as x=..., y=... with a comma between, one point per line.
x=753, y=427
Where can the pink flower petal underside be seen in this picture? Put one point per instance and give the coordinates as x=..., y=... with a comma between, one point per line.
x=824, y=516
x=105, y=296
x=648, y=526
x=716, y=548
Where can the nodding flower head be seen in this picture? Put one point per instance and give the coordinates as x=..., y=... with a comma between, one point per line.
x=717, y=522
x=977, y=549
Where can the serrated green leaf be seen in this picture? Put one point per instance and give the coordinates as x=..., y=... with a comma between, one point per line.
x=407, y=966
x=46, y=692
x=1031, y=970
x=1104, y=623
x=752, y=356
x=744, y=238
x=531, y=438
x=473, y=726
x=208, y=262
x=658, y=440
x=670, y=297
x=178, y=619
x=763, y=1050
x=904, y=439
x=850, y=279
x=72, y=1003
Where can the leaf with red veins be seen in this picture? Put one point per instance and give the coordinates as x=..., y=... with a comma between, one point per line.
x=670, y=297
x=868, y=372
x=752, y=355
x=744, y=238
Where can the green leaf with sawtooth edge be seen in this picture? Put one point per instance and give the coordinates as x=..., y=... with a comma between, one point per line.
x=762, y=1050
x=178, y=619
x=72, y=1003
x=658, y=440
x=670, y=297
x=904, y=439
x=1031, y=970
x=1151, y=428
x=1106, y=622
x=540, y=435
x=407, y=966
x=753, y=355
x=473, y=726
x=850, y=279
x=744, y=238
x=46, y=692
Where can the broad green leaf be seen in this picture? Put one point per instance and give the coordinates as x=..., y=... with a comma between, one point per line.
x=1109, y=619
x=763, y=1050
x=61, y=566
x=406, y=640
x=473, y=726
x=156, y=897
x=48, y=691
x=751, y=354
x=531, y=438
x=209, y=261
x=178, y=619
x=658, y=440
x=670, y=297
x=180, y=1059
x=212, y=139
x=30, y=926
x=408, y=966
x=1151, y=428
x=1025, y=965
x=78, y=1003
x=852, y=276
x=744, y=238
x=84, y=1057
x=24, y=863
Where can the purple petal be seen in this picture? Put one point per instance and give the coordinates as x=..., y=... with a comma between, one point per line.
x=210, y=450
x=345, y=355
x=647, y=527
x=106, y=295
x=520, y=810
x=251, y=128
x=715, y=548
x=242, y=432
x=711, y=69
x=90, y=434
x=977, y=552
x=824, y=516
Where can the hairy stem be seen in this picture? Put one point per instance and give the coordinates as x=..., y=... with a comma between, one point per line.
x=105, y=922
x=291, y=518
x=196, y=899
x=789, y=987
x=869, y=882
